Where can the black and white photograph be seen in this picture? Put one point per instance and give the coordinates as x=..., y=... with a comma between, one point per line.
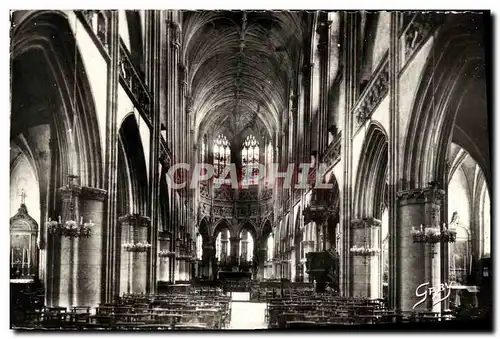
x=262, y=170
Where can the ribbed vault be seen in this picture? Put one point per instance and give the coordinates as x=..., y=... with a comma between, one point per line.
x=240, y=66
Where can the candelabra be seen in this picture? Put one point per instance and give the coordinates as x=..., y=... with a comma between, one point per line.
x=364, y=251
x=70, y=228
x=433, y=235
x=165, y=254
x=138, y=247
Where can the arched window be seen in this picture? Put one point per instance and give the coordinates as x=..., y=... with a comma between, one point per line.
x=486, y=224
x=460, y=255
x=250, y=157
x=246, y=246
x=270, y=153
x=204, y=150
x=199, y=246
x=221, y=245
x=385, y=251
x=222, y=154
x=270, y=247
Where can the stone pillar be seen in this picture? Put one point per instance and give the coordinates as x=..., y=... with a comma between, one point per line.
x=235, y=248
x=111, y=241
x=68, y=262
x=89, y=291
x=366, y=271
x=179, y=272
x=208, y=258
x=244, y=245
x=261, y=255
x=164, y=261
x=135, y=229
x=223, y=245
x=419, y=261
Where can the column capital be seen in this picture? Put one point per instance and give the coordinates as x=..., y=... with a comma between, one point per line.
x=70, y=191
x=420, y=196
x=93, y=193
x=134, y=220
x=234, y=239
x=365, y=222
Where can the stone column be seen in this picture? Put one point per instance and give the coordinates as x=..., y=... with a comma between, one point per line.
x=135, y=229
x=208, y=257
x=178, y=269
x=140, y=259
x=111, y=247
x=163, y=269
x=69, y=247
x=244, y=245
x=235, y=248
x=365, y=270
x=89, y=291
x=419, y=261
x=224, y=244
x=261, y=255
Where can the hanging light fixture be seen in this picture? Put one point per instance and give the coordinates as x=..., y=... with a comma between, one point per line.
x=71, y=228
x=365, y=250
x=137, y=247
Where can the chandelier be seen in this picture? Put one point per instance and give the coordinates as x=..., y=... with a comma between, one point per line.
x=365, y=251
x=165, y=254
x=433, y=235
x=70, y=228
x=137, y=247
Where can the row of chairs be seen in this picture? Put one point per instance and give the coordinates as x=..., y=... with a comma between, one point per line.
x=325, y=310
x=138, y=312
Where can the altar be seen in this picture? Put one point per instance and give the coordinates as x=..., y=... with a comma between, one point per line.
x=234, y=275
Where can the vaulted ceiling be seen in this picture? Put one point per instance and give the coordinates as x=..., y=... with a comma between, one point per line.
x=241, y=66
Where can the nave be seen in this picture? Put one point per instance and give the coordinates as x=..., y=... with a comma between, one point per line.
x=333, y=165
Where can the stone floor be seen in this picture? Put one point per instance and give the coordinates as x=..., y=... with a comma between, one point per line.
x=247, y=315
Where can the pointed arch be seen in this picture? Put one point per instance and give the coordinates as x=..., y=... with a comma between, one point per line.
x=453, y=82
x=133, y=158
x=372, y=173
x=221, y=225
x=48, y=35
x=250, y=227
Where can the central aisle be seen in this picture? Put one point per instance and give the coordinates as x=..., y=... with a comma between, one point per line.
x=247, y=315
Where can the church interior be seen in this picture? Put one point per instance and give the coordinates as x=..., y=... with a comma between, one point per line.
x=377, y=125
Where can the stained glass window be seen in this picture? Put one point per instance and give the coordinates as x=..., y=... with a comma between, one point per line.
x=250, y=157
x=222, y=154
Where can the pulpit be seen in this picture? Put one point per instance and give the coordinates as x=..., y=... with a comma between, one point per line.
x=323, y=267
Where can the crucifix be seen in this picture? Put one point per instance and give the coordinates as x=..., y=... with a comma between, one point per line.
x=23, y=196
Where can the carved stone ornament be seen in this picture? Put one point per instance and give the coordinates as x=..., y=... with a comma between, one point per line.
x=92, y=193
x=376, y=90
x=420, y=195
x=365, y=222
x=135, y=220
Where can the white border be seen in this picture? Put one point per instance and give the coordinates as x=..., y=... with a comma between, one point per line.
x=198, y=4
